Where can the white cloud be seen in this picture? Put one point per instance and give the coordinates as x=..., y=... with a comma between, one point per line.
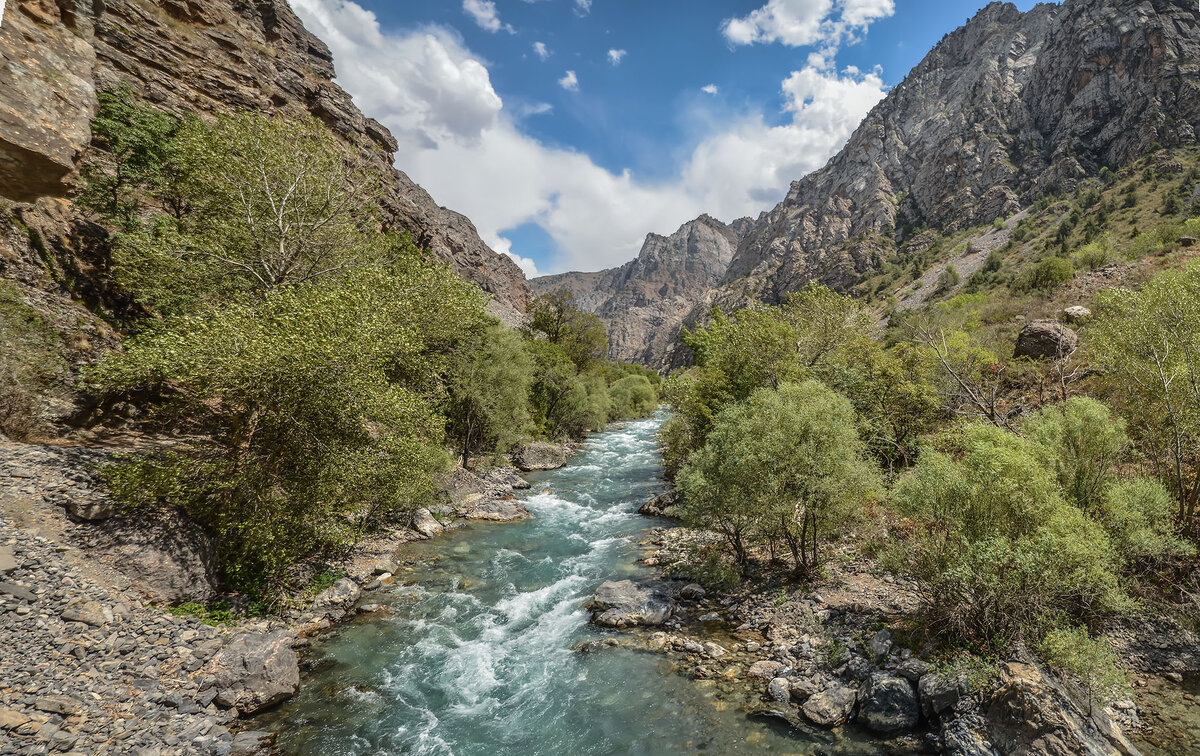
x=615, y=56
x=504, y=247
x=569, y=82
x=540, y=50
x=536, y=108
x=798, y=23
x=485, y=15
x=583, y=7
x=464, y=144
x=709, y=89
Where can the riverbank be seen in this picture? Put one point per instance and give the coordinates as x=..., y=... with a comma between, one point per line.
x=94, y=662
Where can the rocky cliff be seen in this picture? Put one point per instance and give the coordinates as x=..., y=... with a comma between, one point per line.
x=200, y=56
x=644, y=301
x=1006, y=109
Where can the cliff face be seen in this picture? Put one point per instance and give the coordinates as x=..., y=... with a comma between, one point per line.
x=1007, y=108
x=644, y=301
x=202, y=56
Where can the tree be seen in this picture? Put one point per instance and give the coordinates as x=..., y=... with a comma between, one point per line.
x=1148, y=345
x=269, y=202
x=784, y=467
x=488, y=386
x=307, y=415
x=559, y=319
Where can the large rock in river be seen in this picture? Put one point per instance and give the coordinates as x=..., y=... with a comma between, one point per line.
x=254, y=671
x=541, y=455
x=623, y=603
x=887, y=704
x=832, y=706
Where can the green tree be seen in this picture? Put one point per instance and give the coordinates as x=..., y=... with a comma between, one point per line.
x=632, y=396
x=786, y=466
x=1147, y=343
x=307, y=414
x=488, y=390
x=1091, y=665
x=559, y=319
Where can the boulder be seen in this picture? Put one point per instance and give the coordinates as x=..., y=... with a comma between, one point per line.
x=623, y=603
x=89, y=613
x=8, y=562
x=662, y=505
x=1045, y=339
x=780, y=690
x=339, y=597
x=1076, y=314
x=966, y=736
x=541, y=455
x=1188, y=241
x=495, y=510
x=692, y=592
x=887, y=704
x=831, y=707
x=11, y=719
x=252, y=742
x=425, y=523
x=880, y=644
x=254, y=671
x=765, y=669
x=938, y=694
x=164, y=554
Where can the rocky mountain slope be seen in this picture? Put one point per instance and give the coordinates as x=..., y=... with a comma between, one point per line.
x=200, y=56
x=644, y=301
x=1005, y=110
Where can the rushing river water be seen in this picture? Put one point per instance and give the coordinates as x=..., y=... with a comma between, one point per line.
x=476, y=656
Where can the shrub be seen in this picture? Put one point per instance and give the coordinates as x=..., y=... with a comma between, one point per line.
x=1047, y=274
x=1095, y=255
x=1137, y=515
x=31, y=362
x=1091, y=666
x=947, y=279
x=632, y=396
x=1085, y=440
x=997, y=553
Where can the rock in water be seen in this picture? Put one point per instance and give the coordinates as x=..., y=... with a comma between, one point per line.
x=425, y=523
x=623, y=603
x=254, y=671
x=1045, y=339
x=541, y=455
x=780, y=690
x=339, y=596
x=888, y=704
x=831, y=707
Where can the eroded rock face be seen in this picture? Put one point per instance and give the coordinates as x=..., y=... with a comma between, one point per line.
x=47, y=95
x=254, y=671
x=623, y=603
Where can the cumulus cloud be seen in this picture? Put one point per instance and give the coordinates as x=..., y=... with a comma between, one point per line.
x=615, y=56
x=709, y=89
x=799, y=23
x=485, y=15
x=583, y=7
x=465, y=145
x=569, y=82
x=540, y=50
x=504, y=247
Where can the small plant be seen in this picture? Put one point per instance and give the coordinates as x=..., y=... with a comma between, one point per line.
x=1089, y=664
x=781, y=598
x=978, y=674
x=218, y=614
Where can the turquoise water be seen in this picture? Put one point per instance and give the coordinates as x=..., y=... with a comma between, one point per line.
x=476, y=656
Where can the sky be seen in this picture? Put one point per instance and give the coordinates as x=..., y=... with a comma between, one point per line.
x=567, y=130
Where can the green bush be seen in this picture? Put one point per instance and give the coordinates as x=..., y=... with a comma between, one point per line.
x=1045, y=275
x=1137, y=515
x=1090, y=664
x=31, y=361
x=631, y=397
x=1085, y=440
x=996, y=551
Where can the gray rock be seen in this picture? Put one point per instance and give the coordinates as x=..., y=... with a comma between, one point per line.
x=939, y=694
x=165, y=555
x=425, y=523
x=966, y=736
x=251, y=743
x=254, y=671
x=495, y=510
x=11, y=719
x=692, y=592
x=831, y=707
x=766, y=669
x=662, y=505
x=880, y=644
x=780, y=690
x=339, y=596
x=887, y=704
x=92, y=508
x=1045, y=339
x=88, y=612
x=541, y=455
x=624, y=603
x=63, y=705
x=17, y=591
x=1076, y=314
x=8, y=562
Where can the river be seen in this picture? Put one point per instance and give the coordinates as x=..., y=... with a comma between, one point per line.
x=477, y=654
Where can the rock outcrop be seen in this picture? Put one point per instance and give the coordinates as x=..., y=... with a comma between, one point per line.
x=624, y=603
x=255, y=671
x=201, y=57
x=644, y=301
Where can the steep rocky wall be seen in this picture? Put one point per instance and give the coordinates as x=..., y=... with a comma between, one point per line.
x=644, y=301
x=200, y=56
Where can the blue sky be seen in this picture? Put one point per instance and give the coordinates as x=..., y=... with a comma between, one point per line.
x=568, y=129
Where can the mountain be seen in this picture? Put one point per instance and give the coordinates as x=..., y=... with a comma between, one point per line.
x=200, y=56
x=643, y=302
x=1009, y=108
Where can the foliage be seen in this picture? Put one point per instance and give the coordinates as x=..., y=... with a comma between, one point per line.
x=706, y=564
x=1148, y=345
x=785, y=467
x=1092, y=667
x=310, y=410
x=632, y=396
x=488, y=382
x=557, y=318
x=31, y=360
x=947, y=279
x=1086, y=441
x=996, y=550
x=1136, y=513
x=1044, y=275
